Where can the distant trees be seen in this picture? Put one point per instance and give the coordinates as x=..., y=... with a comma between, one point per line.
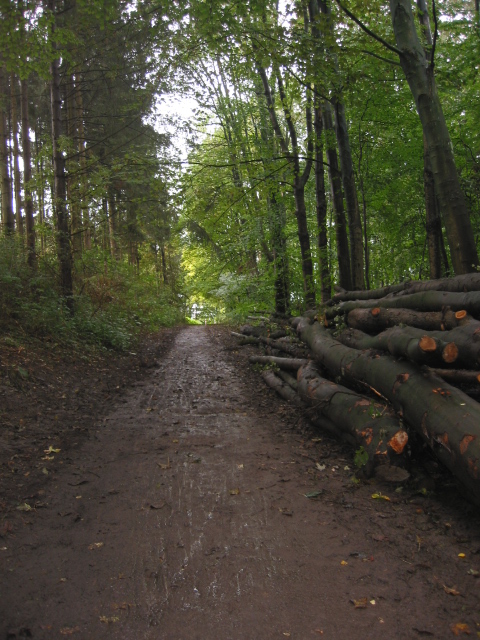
x=326, y=153
x=77, y=87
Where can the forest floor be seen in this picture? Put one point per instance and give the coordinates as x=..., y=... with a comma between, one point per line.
x=169, y=495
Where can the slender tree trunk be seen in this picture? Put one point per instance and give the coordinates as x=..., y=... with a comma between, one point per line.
x=420, y=77
x=304, y=240
x=433, y=222
x=300, y=179
x=343, y=253
x=164, y=264
x=16, y=154
x=112, y=223
x=27, y=175
x=321, y=202
x=85, y=214
x=72, y=182
x=60, y=185
x=280, y=255
x=351, y=199
x=8, y=220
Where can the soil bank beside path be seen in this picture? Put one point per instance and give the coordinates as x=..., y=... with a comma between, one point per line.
x=201, y=507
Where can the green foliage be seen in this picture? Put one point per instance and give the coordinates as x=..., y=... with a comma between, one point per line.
x=361, y=457
x=113, y=304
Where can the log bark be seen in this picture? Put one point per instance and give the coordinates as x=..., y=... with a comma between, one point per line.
x=377, y=319
x=458, y=376
x=458, y=284
x=292, y=364
x=281, y=345
x=289, y=379
x=369, y=423
x=421, y=301
x=404, y=342
x=287, y=393
x=435, y=348
x=445, y=417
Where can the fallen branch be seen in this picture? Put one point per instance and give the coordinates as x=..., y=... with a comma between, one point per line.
x=283, y=363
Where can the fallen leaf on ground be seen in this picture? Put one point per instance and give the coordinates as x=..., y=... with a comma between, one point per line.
x=24, y=507
x=109, y=620
x=68, y=631
x=164, y=466
x=473, y=572
x=240, y=466
x=380, y=496
x=313, y=494
x=51, y=450
x=320, y=467
x=459, y=628
x=234, y=492
x=361, y=603
x=451, y=590
x=461, y=555
x=95, y=545
x=344, y=563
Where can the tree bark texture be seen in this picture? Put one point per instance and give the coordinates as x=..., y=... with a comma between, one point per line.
x=458, y=284
x=8, y=219
x=460, y=346
x=446, y=418
x=369, y=423
x=343, y=252
x=377, y=319
x=321, y=208
x=60, y=185
x=27, y=175
x=422, y=301
x=16, y=153
x=420, y=77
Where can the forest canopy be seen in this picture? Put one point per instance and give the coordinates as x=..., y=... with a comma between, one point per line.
x=332, y=144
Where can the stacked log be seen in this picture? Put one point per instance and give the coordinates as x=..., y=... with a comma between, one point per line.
x=388, y=363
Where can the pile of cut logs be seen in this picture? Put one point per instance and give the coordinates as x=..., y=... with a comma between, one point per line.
x=375, y=367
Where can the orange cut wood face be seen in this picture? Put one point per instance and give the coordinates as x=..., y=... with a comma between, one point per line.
x=466, y=440
x=399, y=441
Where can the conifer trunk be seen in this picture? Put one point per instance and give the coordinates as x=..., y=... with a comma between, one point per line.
x=27, y=175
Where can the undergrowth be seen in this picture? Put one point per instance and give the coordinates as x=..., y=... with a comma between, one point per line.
x=113, y=304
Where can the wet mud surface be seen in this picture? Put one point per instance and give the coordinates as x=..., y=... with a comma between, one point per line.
x=191, y=503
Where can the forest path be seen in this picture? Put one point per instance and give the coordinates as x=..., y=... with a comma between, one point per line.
x=198, y=510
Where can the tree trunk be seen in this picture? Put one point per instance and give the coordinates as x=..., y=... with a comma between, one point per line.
x=459, y=346
x=16, y=154
x=370, y=424
x=458, y=284
x=8, y=219
x=60, y=185
x=27, y=175
x=343, y=253
x=87, y=234
x=351, y=199
x=377, y=319
x=433, y=222
x=420, y=77
x=112, y=224
x=321, y=202
x=446, y=418
x=422, y=301
x=304, y=240
x=72, y=181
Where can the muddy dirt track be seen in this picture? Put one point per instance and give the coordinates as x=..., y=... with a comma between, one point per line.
x=199, y=506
